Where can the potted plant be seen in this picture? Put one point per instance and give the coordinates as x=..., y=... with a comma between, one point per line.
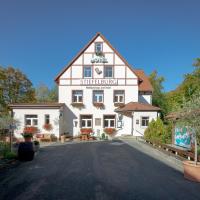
x=27, y=137
x=36, y=145
x=98, y=104
x=28, y=133
x=85, y=133
x=78, y=105
x=190, y=116
x=47, y=127
x=109, y=131
x=119, y=104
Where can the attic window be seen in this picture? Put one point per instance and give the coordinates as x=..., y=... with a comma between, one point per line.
x=98, y=47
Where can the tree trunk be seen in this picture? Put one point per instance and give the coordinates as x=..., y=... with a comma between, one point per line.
x=196, y=154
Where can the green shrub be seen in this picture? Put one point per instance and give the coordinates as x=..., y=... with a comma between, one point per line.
x=198, y=151
x=4, y=148
x=158, y=132
x=10, y=155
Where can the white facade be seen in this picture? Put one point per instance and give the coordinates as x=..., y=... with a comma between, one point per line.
x=97, y=76
x=36, y=116
x=124, y=78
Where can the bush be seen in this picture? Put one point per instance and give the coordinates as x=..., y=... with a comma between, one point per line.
x=158, y=132
x=10, y=155
x=36, y=142
x=4, y=148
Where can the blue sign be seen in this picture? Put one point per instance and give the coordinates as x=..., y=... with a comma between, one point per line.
x=183, y=136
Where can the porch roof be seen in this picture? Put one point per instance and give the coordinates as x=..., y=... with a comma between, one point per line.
x=136, y=106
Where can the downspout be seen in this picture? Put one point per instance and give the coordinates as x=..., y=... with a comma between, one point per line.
x=132, y=124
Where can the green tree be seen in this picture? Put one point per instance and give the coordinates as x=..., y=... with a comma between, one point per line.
x=15, y=87
x=186, y=90
x=157, y=131
x=44, y=94
x=158, y=96
x=189, y=115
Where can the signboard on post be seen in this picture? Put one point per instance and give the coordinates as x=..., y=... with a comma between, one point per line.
x=182, y=137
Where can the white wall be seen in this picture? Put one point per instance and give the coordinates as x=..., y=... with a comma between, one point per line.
x=138, y=128
x=145, y=98
x=19, y=114
x=71, y=80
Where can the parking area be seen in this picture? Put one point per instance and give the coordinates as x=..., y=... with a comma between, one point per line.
x=95, y=170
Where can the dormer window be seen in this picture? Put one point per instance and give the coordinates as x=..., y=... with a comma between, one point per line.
x=98, y=47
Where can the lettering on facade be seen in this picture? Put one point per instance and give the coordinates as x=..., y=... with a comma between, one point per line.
x=99, y=82
x=98, y=88
x=99, y=59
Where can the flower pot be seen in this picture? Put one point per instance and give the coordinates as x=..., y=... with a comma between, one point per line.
x=62, y=138
x=191, y=171
x=26, y=151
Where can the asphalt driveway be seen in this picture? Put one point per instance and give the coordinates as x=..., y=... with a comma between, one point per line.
x=95, y=171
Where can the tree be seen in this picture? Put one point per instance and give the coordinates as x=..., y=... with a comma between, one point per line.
x=158, y=96
x=44, y=94
x=189, y=115
x=157, y=131
x=15, y=87
x=186, y=90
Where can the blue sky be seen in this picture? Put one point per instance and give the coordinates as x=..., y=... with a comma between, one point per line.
x=40, y=37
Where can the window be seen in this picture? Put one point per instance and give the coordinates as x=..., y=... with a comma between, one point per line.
x=77, y=96
x=98, y=47
x=109, y=121
x=86, y=121
x=119, y=96
x=98, y=96
x=31, y=120
x=97, y=121
x=47, y=119
x=87, y=72
x=145, y=121
x=108, y=72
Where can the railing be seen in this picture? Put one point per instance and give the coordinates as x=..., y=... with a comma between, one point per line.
x=173, y=150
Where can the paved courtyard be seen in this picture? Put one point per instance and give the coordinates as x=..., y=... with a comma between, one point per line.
x=95, y=171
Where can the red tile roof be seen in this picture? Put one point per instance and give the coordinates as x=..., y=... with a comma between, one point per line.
x=136, y=106
x=144, y=83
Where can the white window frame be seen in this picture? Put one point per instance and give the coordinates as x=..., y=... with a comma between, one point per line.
x=105, y=76
x=97, y=45
x=118, y=95
x=109, y=121
x=146, y=121
x=98, y=94
x=31, y=120
x=86, y=119
x=87, y=73
x=78, y=96
x=46, y=118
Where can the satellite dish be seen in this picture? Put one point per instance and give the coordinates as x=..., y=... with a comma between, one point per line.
x=98, y=71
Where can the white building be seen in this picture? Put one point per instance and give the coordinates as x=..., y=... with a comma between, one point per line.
x=98, y=89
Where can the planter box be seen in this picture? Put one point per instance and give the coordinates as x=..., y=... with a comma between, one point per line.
x=191, y=171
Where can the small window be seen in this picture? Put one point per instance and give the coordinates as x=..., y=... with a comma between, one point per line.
x=47, y=119
x=31, y=120
x=98, y=47
x=109, y=121
x=119, y=96
x=86, y=121
x=98, y=96
x=77, y=96
x=97, y=121
x=145, y=121
x=87, y=72
x=108, y=72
